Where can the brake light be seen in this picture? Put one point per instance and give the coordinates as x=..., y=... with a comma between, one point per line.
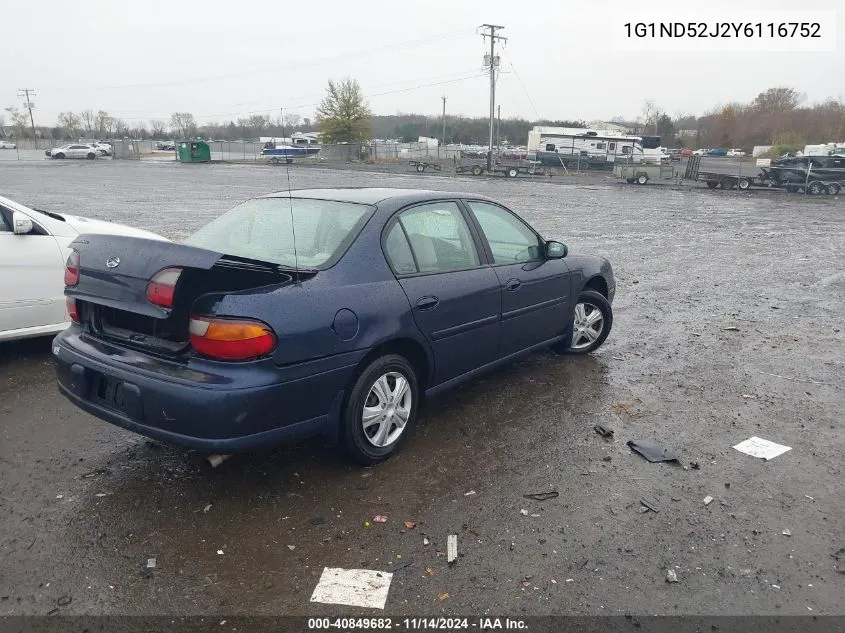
x=72, y=310
x=231, y=339
x=72, y=269
x=162, y=287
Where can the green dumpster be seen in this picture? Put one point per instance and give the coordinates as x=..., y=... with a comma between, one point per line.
x=193, y=152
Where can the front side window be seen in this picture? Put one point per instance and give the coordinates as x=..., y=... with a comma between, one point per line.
x=439, y=237
x=264, y=229
x=509, y=238
x=5, y=225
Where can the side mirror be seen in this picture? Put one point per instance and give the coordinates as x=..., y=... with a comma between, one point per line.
x=23, y=224
x=555, y=250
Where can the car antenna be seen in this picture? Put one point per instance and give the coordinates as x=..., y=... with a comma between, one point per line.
x=290, y=201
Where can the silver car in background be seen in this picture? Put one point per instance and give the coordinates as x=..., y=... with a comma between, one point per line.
x=73, y=150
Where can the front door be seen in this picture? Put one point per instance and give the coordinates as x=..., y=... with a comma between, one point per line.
x=31, y=277
x=535, y=290
x=454, y=297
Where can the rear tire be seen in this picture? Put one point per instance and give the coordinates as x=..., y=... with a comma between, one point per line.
x=90, y=156
x=744, y=184
x=642, y=179
x=578, y=342
x=477, y=170
x=834, y=188
x=420, y=168
x=816, y=188
x=378, y=388
x=712, y=184
x=512, y=172
x=59, y=155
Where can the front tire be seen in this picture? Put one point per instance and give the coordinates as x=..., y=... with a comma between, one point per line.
x=592, y=320
x=381, y=409
x=642, y=179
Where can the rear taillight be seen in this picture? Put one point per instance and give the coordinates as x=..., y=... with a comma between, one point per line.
x=72, y=269
x=72, y=310
x=231, y=339
x=162, y=287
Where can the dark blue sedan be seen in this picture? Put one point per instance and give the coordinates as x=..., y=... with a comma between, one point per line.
x=317, y=312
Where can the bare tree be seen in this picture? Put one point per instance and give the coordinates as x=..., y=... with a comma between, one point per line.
x=158, y=128
x=183, y=123
x=290, y=121
x=255, y=123
x=87, y=117
x=71, y=123
x=19, y=121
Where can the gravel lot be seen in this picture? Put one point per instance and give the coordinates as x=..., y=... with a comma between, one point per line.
x=728, y=325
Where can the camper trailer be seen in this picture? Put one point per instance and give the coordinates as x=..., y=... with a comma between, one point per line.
x=584, y=146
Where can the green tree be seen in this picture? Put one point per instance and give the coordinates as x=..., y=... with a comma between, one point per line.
x=343, y=116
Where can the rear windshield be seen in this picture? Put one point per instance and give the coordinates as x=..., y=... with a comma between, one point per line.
x=264, y=229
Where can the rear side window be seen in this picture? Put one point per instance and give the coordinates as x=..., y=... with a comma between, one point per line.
x=439, y=237
x=398, y=252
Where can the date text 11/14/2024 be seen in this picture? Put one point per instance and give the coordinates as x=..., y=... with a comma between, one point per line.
x=432, y=624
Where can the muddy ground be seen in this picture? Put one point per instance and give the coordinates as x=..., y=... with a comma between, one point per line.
x=728, y=320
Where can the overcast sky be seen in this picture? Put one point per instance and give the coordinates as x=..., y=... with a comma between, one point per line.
x=144, y=59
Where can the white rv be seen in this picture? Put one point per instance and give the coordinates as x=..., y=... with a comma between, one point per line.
x=567, y=146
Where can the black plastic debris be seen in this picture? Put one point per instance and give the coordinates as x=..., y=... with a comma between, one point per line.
x=394, y=567
x=542, y=496
x=603, y=430
x=653, y=451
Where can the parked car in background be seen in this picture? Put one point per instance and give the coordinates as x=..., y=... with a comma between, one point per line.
x=719, y=151
x=701, y=152
x=315, y=312
x=103, y=149
x=8, y=145
x=733, y=153
x=34, y=246
x=73, y=151
x=166, y=145
x=686, y=152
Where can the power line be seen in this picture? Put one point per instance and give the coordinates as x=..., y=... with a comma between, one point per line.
x=524, y=89
x=288, y=65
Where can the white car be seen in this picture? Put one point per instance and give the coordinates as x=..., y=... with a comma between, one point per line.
x=735, y=153
x=700, y=152
x=74, y=150
x=104, y=149
x=34, y=247
x=7, y=145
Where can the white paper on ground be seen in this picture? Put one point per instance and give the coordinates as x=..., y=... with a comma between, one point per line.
x=353, y=587
x=758, y=447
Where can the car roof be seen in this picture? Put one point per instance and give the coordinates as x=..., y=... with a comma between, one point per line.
x=373, y=195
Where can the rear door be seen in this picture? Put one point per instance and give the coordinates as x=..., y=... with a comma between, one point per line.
x=535, y=290
x=454, y=294
x=31, y=277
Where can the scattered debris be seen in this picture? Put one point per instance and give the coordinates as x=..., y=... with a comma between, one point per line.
x=380, y=518
x=786, y=533
x=749, y=396
x=758, y=447
x=410, y=524
x=653, y=451
x=524, y=512
x=810, y=498
x=429, y=571
x=63, y=601
x=100, y=494
x=425, y=540
x=542, y=496
x=838, y=556
x=319, y=520
x=731, y=328
x=452, y=548
x=394, y=567
x=206, y=508
x=623, y=407
x=60, y=496
x=216, y=460
x=604, y=431
x=570, y=580
x=151, y=563
x=353, y=587
x=650, y=504
x=290, y=547
x=220, y=552
x=366, y=524
x=812, y=382
x=671, y=576
x=695, y=465
x=443, y=595
x=775, y=586
x=470, y=493
x=554, y=582
x=708, y=500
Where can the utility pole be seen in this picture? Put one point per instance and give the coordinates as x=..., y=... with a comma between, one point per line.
x=498, y=127
x=443, y=140
x=492, y=61
x=26, y=92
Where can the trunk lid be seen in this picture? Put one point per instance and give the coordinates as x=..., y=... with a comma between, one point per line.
x=114, y=272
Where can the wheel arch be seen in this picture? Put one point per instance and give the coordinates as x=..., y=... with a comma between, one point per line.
x=597, y=283
x=410, y=349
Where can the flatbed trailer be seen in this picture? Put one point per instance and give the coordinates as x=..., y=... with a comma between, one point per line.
x=421, y=166
x=511, y=168
x=641, y=173
x=813, y=185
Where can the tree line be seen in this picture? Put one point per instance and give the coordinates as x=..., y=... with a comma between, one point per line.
x=777, y=116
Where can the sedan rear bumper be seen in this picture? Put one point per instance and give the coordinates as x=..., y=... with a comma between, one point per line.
x=208, y=406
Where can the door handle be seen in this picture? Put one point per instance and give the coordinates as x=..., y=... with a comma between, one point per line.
x=428, y=303
x=512, y=284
